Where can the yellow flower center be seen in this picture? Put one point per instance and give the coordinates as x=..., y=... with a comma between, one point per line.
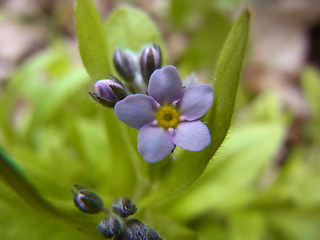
x=167, y=117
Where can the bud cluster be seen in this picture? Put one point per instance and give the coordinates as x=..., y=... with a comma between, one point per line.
x=117, y=226
x=134, y=69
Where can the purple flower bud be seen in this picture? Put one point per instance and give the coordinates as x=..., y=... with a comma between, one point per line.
x=108, y=92
x=109, y=227
x=123, y=207
x=125, y=64
x=150, y=60
x=86, y=200
x=136, y=230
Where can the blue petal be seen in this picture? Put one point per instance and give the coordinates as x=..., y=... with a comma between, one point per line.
x=165, y=85
x=192, y=136
x=196, y=101
x=154, y=143
x=136, y=110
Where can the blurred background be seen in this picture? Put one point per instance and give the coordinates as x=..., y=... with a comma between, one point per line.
x=263, y=183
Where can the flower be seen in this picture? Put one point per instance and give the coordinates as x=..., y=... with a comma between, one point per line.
x=168, y=115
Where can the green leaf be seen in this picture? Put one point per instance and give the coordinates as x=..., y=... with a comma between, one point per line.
x=189, y=165
x=12, y=176
x=130, y=28
x=91, y=39
x=58, y=95
x=226, y=184
x=226, y=81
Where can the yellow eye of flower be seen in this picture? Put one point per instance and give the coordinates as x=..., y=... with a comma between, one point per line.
x=167, y=117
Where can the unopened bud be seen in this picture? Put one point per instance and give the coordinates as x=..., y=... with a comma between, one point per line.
x=136, y=230
x=86, y=200
x=125, y=64
x=109, y=227
x=123, y=207
x=150, y=60
x=108, y=92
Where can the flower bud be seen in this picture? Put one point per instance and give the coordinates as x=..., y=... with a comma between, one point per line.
x=136, y=230
x=123, y=207
x=150, y=60
x=125, y=64
x=108, y=92
x=109, y=227
x=86, y=200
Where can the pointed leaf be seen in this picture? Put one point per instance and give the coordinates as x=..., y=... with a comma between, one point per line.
x=91, y=40
x=190, y=165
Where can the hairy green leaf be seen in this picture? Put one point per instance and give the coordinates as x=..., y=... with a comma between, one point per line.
x=91, y=39
x=189, y=165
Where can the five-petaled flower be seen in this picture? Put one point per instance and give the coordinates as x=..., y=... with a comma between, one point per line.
x=168, y=115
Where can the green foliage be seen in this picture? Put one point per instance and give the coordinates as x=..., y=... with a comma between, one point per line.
x=57, y=136
x=91, y=39
x=61, y=137
x=189, y=165
x=224, y=186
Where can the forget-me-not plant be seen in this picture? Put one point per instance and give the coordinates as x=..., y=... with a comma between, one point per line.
x=94, y=148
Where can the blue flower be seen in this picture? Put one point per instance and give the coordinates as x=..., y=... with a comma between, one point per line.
x=168, y=115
